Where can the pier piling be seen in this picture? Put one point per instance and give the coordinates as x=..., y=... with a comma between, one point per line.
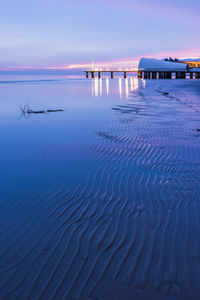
x=161, y=75
x=153, y=75
x=180, y=75
x=197, y=75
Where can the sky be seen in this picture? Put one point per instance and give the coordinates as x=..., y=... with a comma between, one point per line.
x=65, y=34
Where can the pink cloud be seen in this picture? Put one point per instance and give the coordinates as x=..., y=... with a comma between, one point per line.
x=130, y=62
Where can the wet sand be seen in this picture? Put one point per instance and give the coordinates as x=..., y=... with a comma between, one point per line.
x=102, y=200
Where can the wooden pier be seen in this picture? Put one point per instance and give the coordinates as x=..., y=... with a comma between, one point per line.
x=111, y=72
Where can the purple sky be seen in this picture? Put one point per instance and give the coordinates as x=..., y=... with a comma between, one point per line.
x=66, y=33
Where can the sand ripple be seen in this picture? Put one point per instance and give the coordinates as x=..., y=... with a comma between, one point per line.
x=127, y=228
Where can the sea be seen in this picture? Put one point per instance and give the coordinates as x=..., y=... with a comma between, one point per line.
x=99, y=188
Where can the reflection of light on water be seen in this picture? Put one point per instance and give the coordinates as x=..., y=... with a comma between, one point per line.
x=92, y=88
x=100, y=85
x=126, y=86
x=107, y=86
x=131, y=84
x=120, y=87
x=96, y=87
x=136, y=83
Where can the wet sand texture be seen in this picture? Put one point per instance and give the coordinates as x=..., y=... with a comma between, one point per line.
x=125, y=225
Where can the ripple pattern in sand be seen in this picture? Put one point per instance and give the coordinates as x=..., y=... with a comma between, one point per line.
x=125, y=227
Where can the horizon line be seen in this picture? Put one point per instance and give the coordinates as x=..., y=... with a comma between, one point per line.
x=120, y=63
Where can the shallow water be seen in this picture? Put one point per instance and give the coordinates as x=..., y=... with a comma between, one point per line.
x=100, y=201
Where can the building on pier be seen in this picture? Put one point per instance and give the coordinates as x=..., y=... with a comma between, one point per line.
x=151, y=68
x=191, y=62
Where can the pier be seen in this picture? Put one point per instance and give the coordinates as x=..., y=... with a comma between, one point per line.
x=151, y=68
x=92, y=73
x=144, y=74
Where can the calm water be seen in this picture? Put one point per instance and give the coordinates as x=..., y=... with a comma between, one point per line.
x=100, y=201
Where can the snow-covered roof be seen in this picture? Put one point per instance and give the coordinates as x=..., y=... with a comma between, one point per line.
x=152, y=64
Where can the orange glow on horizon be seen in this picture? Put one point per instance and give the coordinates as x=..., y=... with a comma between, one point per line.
x=126, y=63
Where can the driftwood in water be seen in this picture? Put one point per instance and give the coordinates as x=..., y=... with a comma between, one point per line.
x=26, y=110
x=54, y=110
x=30, y=111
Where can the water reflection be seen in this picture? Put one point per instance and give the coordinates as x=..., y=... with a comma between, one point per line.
x=120, y=87
x=96, y=87
x=135, y=84
x=100, y=85
x=107, y=86
x=132, y=84
x=144, y=83
x=126, y=87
